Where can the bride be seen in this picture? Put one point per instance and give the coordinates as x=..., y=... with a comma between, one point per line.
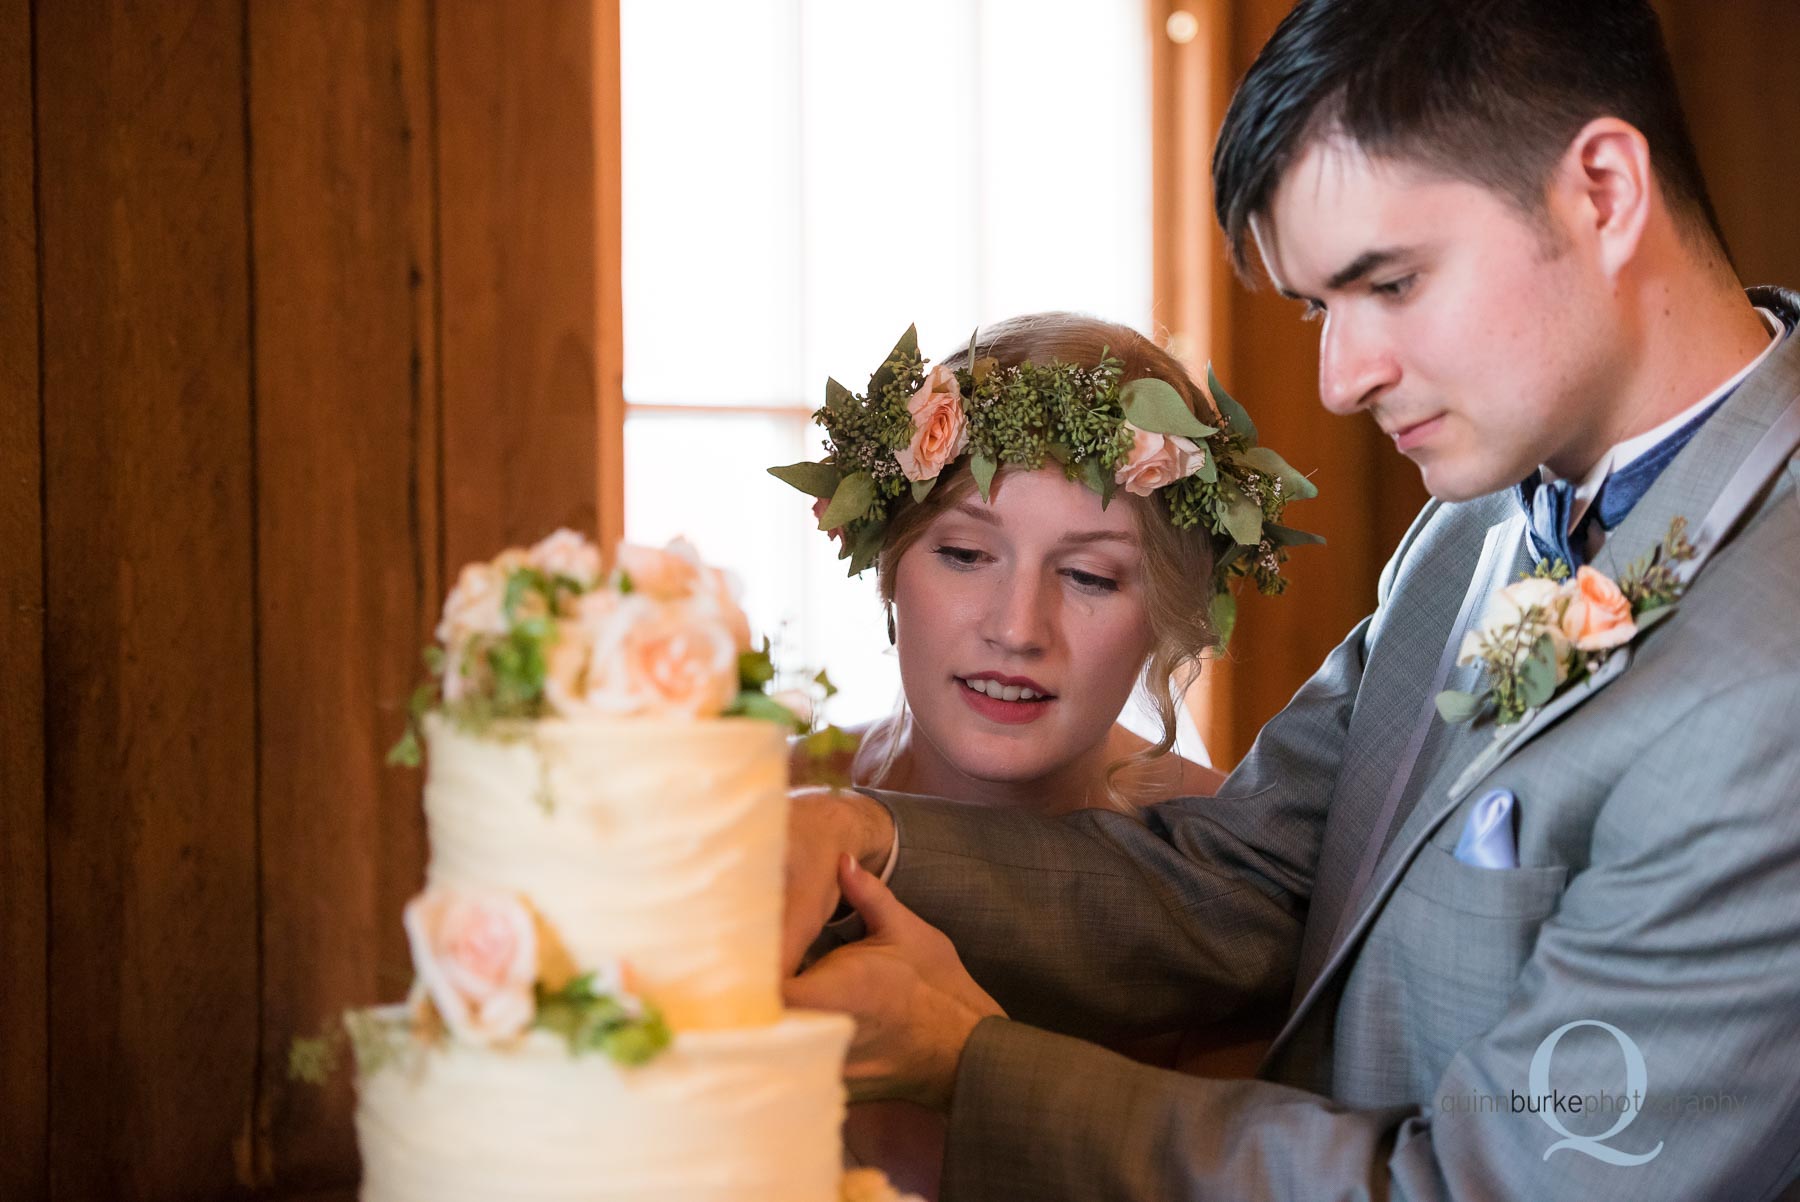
x=1029, y=587
x=1023, y=618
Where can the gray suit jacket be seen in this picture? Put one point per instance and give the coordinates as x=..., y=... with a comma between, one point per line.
x=1656, y=908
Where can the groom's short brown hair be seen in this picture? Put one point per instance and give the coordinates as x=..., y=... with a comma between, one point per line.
x=1489, y=91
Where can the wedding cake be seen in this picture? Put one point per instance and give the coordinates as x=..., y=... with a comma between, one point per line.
x=597, y=1010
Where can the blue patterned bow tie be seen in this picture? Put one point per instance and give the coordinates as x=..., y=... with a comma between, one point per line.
x=1547, y=505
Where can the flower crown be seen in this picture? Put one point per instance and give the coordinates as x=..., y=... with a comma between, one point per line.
x=911, y=425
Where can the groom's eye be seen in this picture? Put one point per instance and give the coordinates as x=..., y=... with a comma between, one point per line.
x=1394, y=289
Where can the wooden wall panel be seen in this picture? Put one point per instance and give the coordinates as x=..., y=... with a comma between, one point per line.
x=347, y=424
x=150, y=593
x=1368, y=492
x=24, y=1065
x=1731, y=57
x=517, y=220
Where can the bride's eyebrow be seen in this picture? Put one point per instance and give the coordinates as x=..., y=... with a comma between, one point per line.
x=980, y=513
x=1099, y=536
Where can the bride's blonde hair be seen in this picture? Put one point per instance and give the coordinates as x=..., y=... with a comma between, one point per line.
x=1177, y=563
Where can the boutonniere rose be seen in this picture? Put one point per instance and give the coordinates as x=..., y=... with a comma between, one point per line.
x=1547, y=631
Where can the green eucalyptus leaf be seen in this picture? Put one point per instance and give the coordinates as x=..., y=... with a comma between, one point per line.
x=1208, y=471
x=1457, y=706
x=1537, y=675
x=865, y=546
x=1286, y=536
x=836, y=395
x=1224, y=616
x=922, y=488
x=905, y=349
x=755, y=669
x=1647, y=618
x=1222, y=565
x=1243, y=517
x=761, y=705
x=1154, y=405
x=1235, y=415
x=1061, y=452
x=851, y=500
x=1098, y=479
x=1294, y=486
x=813, y=479
x=983, y=469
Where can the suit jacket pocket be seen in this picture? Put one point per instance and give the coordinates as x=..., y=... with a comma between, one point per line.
x=1449, y=946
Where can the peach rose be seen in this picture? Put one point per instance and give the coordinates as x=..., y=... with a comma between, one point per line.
x=1597, y=616
x=476, y=954
x=1536, y=598
x=565, y=668
x=940, y=428
x=1157, y=460
x=661, y=659
x=567, y=553
x=474, y=605
x=667, y=574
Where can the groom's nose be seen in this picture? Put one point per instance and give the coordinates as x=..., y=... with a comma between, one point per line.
x=1356, y=364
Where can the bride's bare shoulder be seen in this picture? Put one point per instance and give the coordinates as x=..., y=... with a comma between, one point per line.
x=1166, y=777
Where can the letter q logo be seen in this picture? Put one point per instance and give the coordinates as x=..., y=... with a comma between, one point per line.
x=1637, y=1077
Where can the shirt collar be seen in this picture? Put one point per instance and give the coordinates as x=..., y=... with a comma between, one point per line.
x=1635, y=447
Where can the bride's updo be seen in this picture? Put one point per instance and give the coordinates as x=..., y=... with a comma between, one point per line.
x=1177, y=563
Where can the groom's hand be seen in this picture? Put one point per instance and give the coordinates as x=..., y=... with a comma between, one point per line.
x=913, y=1002
x=823, y=826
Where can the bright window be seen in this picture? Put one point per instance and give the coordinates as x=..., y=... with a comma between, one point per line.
x=803, y=179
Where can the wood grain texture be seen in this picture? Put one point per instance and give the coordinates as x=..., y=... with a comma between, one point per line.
x=347, y=417
x=151, y=701
x=517, y=222
x=24, y=949
x=610, y=276
x=1733, y=58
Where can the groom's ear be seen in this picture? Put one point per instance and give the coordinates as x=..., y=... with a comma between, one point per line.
x=1604, y=192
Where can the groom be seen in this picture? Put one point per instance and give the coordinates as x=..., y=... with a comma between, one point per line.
x=1552, y=957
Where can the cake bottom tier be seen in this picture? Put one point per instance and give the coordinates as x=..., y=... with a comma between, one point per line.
x=749, y=1115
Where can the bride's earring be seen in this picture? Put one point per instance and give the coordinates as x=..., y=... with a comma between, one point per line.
x=892, y=641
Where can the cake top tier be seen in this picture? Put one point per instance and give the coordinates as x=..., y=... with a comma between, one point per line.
x=556, y=631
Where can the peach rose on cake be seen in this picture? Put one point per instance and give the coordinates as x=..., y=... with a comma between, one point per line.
x=1156, y=461
x=567, y=553
x=676, y=573
x=671, y=573
x=660, y=660
x=940, y=427
x=476, y=955
x=1596, y=615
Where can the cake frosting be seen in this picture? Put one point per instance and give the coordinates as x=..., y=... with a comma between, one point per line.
x=658, y=842
x=721, y=1116
x=597, y=1010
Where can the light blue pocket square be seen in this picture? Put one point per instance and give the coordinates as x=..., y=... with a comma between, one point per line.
x=1487, y=837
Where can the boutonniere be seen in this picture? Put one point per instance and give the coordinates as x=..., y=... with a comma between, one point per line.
x=1551, y=630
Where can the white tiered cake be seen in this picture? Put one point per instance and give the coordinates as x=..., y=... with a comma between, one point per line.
x=598, y=1011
